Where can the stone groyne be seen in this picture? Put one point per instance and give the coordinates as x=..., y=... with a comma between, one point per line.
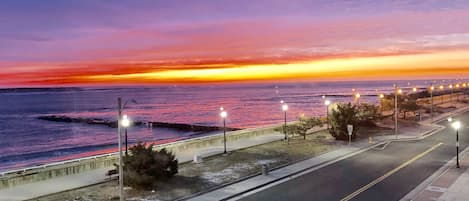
x=113, y=124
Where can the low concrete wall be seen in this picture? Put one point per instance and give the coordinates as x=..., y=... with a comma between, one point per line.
x=190, y=146
x=184, y=151
x=49, y=172
x=441, y=99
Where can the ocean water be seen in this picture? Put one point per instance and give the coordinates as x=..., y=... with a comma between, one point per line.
x=27, y=141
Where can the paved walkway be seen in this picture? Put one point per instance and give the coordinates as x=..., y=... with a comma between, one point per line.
x=58, y=184
x=450, y=184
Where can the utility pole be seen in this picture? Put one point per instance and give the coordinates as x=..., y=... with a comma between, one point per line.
x=395, y=110
x=431, y=101
x=119, y=141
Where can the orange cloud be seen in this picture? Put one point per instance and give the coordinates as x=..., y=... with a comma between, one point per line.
x=451, y=63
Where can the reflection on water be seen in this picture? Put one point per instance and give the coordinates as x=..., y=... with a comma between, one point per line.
x=26, y=140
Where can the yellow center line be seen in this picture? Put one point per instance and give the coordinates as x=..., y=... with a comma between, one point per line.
x=376, y=181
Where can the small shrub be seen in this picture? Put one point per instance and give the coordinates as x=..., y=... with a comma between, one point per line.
x=144, y=166
x=342, y=115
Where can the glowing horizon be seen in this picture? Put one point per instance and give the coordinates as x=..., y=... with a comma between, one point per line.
x=200, y=43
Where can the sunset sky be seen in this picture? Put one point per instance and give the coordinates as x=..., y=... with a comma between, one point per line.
x=91, y=42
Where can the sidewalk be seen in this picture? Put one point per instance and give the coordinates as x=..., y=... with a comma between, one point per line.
x=445, y=115
x=59, y=184
x=451, y=184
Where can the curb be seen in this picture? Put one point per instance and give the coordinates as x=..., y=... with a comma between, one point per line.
x=428, y=181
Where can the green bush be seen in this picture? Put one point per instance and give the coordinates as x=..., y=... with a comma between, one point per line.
x=342, y=115
x=301, y=127
x=368, y=113
x=144, y=166
x=306, y=123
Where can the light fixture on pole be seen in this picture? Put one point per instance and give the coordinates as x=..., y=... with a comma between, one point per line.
x=126, y=124
x=381, y=96
x=119, y=141
x=456, y=125
x=431, y=101
x=223, y=115
x=327, y=103
x=451, y=95
x=285, y=108
x=443, y=95
x=357, y=98
x=396, y=92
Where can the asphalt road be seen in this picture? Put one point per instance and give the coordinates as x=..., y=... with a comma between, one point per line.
x=376, y=174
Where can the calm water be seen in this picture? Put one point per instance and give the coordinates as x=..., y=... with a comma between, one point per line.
x=27, y=141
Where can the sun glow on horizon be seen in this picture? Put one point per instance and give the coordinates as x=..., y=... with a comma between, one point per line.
x=381, y=66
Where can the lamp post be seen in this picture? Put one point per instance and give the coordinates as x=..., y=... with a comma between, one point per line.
x=119, y=141
x=396, y=91
x=357, y=97
x=285, y=108
x=126, y=124
x=443, y=95
x=451, y=95
x=327, y=103
x=456, y=125
x=431, y=101
x=223, y=115
x=464, y=85
x=381, y=96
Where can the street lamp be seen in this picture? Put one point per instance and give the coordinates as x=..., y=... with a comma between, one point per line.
x=327, y=103
x=357, y=97
x=223, y=115
x=456, y=125
x=285, y=108
x=414, y=89
x=431, y=101
x=451, y=95
x=443, y=95
x=396, y=91
x=381, y=96
x=125, y=123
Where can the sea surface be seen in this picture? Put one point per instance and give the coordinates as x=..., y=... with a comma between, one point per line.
x=27, y=141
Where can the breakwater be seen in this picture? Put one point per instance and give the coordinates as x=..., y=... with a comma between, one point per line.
x=113, y=124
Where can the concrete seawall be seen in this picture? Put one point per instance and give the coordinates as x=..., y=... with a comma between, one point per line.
x=184, y=151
